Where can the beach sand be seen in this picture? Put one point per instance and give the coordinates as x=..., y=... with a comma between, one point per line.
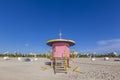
x=37, y=70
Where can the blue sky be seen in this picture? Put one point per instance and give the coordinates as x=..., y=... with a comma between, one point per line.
x=26, y=25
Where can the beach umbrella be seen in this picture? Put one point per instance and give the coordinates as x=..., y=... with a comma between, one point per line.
x=106, y=58
x=35, y=59
x=93, y=59
x=19, y=58
x=6, y=58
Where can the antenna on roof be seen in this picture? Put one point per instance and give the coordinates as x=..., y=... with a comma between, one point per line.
x=60, y=34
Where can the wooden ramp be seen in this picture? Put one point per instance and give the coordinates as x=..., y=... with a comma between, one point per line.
x=60, y=66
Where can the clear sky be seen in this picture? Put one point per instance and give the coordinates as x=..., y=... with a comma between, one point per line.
x=26, y=25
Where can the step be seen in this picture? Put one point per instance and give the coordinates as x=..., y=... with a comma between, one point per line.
x=60, y=68
x=58, y=71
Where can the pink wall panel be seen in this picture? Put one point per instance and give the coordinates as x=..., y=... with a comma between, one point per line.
x=60, y=50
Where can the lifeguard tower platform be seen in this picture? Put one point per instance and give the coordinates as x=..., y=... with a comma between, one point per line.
x=60, y=53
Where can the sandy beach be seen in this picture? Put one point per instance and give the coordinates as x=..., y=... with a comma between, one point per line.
x=37, y=70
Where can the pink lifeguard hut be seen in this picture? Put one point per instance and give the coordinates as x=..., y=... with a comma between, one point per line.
x=60, y=49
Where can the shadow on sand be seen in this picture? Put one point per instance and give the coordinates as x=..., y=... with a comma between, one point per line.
x=48, y=63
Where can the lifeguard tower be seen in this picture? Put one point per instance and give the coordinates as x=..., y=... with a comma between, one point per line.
x=60, y=53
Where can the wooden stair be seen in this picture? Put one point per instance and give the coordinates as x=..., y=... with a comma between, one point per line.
x=60, y=66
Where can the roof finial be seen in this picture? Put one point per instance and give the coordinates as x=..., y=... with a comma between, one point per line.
x=60, y=34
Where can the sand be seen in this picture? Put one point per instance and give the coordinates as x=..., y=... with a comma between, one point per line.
x=37, y=70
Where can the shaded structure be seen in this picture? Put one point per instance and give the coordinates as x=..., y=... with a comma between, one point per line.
x=60, y=53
